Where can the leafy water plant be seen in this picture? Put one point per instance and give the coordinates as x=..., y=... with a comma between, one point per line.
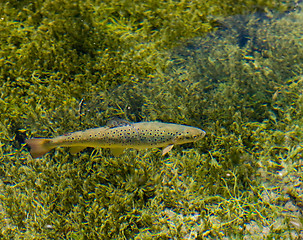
x=152, y=60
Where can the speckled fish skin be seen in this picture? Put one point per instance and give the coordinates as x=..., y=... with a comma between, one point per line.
x=119, y=136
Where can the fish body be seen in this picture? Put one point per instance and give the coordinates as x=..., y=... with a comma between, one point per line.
x=119, y=135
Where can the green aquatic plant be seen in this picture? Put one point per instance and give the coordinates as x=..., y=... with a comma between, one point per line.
x=152, y=60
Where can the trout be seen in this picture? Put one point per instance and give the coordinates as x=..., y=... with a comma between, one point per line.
x=119, y=135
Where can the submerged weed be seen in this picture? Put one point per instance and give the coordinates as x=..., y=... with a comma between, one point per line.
x=152, y=61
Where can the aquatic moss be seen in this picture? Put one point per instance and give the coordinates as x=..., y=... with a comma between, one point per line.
x=148, y=61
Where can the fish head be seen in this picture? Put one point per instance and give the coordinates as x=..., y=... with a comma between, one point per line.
x=189, y=134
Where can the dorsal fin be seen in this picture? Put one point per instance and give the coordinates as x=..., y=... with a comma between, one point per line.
x=117, y=122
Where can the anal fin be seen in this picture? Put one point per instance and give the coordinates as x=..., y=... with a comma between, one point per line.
x=76, y=149
x=117, y=151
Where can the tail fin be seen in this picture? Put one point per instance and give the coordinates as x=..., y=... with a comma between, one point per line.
x=39, y=146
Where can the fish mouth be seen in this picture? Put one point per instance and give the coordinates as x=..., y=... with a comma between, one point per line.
x=197, y=135
x=190, y=136
x=200, y=135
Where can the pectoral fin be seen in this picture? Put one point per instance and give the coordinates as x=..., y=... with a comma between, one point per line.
x=76, y=149
x=117, y=151
x=167, y=149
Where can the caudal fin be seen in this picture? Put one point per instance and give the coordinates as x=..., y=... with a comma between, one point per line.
x=39, y=146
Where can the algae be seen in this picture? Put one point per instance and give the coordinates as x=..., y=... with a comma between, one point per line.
x=233, y=69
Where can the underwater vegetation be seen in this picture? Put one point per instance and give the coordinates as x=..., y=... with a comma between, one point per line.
x=232, y=69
